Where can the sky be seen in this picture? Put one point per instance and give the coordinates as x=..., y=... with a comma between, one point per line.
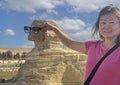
x=74, y=17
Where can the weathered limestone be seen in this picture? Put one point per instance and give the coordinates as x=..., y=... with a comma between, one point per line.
x=52, y=69
x=49, y=63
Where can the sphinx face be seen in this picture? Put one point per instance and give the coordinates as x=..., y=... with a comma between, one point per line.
x=38, y=36
x=35, y=33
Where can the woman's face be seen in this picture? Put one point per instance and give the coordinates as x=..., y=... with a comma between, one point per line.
x=109, y=26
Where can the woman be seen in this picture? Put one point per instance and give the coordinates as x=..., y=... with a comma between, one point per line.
x=108, y=27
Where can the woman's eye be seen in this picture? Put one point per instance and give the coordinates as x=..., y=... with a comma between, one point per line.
x=102, y=23
x=112, y=22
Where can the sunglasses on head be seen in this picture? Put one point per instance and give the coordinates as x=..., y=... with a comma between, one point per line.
x=29, y=29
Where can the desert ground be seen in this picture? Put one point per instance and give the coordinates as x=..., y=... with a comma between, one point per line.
x=8, y=69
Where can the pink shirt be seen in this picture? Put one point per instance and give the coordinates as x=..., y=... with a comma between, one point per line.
x=109, y=71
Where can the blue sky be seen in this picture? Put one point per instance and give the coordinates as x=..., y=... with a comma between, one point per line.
x=74, y=17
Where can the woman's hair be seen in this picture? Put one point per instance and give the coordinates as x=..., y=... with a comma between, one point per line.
x=106, y=10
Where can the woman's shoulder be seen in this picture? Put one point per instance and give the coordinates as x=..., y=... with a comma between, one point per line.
x=93, y=42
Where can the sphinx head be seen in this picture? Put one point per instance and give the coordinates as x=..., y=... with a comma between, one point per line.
x=42, y=38
x=35, y=32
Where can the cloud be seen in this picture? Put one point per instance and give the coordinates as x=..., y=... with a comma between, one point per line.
x=29, y=5
x=49, y=5
x=41, y=17
x=75, y=28
x=9, y=32
x=83, y=35
x=82, y=5
x=89, y=5
x=71, y=25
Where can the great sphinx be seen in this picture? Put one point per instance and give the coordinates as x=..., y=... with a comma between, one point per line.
x=49, y=63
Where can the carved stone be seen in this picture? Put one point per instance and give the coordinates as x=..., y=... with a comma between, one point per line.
x=49, y=63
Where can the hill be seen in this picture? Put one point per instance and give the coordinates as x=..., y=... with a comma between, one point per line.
x=16, y=50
